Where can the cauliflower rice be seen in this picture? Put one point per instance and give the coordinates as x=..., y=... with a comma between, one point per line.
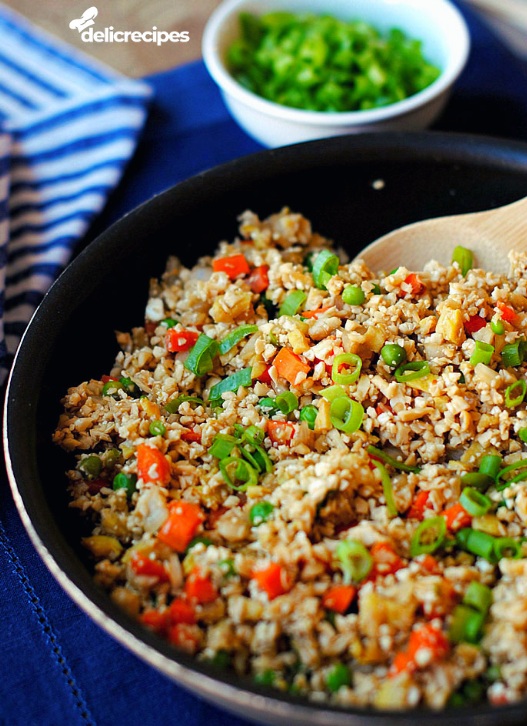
x=239, y=510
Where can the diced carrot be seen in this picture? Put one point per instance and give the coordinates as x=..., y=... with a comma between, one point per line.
x=507, y=313
x=181, y=611
x=416, y=284
x=142, y=565
x=426, y=645
x=386, y=561
x=200, y=589
x=446, y=599
x=185, y=636
x=273, y=580
x=155, y=620
x=177, y=341
x=191, y=436
x=428, y=563
x=281, y=432
x=152, y=465
x=339, y=598
x=258, y=279
x=315, y=313
x=181, y=525
x=289, y=365
x=474, y=323
x=417, y=509
x=401, y=662
x=456, y=517
x=234, y=266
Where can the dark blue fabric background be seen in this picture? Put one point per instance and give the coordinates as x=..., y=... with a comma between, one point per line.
x=57, y=667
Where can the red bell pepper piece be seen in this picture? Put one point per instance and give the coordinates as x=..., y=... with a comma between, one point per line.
x=338, y=598
x=273, y=580
x=200, y=589
x=152, y=465
x=181, y=525
x=259, y=279
x=234, y=266
x=142, y=565
x=474, y=323
x=177, y=341
x=507, y=313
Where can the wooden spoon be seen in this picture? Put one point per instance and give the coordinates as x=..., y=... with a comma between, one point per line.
x=490, y=235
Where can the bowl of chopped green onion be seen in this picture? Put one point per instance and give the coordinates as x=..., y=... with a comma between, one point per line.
x=295, y=70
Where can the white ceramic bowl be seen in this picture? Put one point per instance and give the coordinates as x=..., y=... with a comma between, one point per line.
x=437, y=23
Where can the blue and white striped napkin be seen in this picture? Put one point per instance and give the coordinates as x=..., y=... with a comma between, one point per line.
x=68, y=126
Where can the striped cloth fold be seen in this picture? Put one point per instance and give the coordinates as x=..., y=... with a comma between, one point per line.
x=68, y=126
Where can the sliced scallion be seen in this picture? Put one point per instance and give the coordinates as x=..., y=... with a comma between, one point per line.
x=309, y=414
x=350, y=362
x=497, y=327
x=478, y=596
x=380, y=454
x=355, y=561
x=286, y=402
x=428, y=536
x=482, y=353
x=260, y=512
x=477, y=480
x=476, y=542
x=466, y=625
x=345, y=414
x=332, y=392
x=222, y=446
x=238, y=473
x=474, y=502
x=490, y=464
x=231, y=383
x=173, y=405
x=512, y=354
x=325, y=266
x=515, y=393
x=387, y=488
x=292, y=303
x=200, y=359
x=412, y=371
x=503, y=480
x=234, y=337
x=464, y=258
x=507, y=547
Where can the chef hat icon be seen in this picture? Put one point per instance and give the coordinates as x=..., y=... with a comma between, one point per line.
x=86, y=20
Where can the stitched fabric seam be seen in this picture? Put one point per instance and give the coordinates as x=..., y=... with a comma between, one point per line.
x=46, y=629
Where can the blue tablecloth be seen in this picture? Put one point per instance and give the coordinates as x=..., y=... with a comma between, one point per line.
x=57, y=667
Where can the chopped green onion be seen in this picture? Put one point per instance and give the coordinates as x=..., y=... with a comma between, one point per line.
x=238, y=474
x=231, y=383
x=292, y=303
x=346, y=415
x=515, y=393
x=522, y=435
x=227, y=567
x=474, y=502
x=507, y=547
x=220, y=659
x=502, y=483
x=111, y=457
x=260, y=512
x=476, y=542
x=512, y=354
x=286, y=402
x=91, y=465
x=490, y=464
x=265, y=678
x=169, y=322
x=353, y=295
x=332, y=392
x=338, y=676
x=234, y=337
x=355, y=560
x=200, y=359
x=393, y=354
x=258, y=457
x=268, y=405
x=497, y=327
x=352, y=362
x=129, y=386
x=464, y=258
x=309, y=414
x=125, y=481
x=477, y=480
x=380, y=454
x=173, y=406
x=110, y=388
x=478, y=596
x=253, y=435
x=412, y=371
x=222, y=446
x=482, y=353
x=466, y=625
x=196, y=541
x=376, y=290
x=325, y=266
x=428, y=536
x=157, y=428
x=387, y=488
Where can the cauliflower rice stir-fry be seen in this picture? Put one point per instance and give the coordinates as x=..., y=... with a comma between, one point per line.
x=314, y=475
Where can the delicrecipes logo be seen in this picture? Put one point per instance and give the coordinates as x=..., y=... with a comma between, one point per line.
x=109, y=35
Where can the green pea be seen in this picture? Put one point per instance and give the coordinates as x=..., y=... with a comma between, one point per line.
x=91, y=466
x=309, y=414
x=157, y=428
x=337, y=677
x=169, y=322
x=265, y=678
x=260, y=512
x=353, y=295
x=393, y=354
x=268, y=404
x=110, y=388
x=125, y=481
x=111, y=457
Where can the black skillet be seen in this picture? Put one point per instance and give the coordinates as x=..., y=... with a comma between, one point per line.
x=335, y=183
